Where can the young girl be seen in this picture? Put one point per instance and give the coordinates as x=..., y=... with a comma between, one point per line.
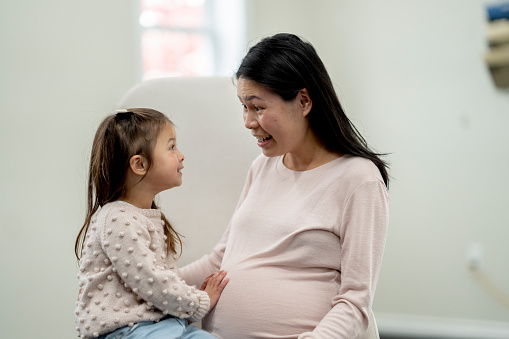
x=128, y=278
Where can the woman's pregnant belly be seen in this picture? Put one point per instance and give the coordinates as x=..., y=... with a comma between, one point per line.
x=271, y=302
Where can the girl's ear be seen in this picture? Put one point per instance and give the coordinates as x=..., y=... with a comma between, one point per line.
x=138, y=164
x=305, y=101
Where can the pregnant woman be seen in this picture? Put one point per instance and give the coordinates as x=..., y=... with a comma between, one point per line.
x=304, y=247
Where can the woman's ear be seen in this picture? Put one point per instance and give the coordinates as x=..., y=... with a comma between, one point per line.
x=305, y=101
x=138, y=164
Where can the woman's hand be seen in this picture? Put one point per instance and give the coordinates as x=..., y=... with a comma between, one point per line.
x=214, y=285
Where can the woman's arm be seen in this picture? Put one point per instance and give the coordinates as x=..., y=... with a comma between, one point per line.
x=362, y=237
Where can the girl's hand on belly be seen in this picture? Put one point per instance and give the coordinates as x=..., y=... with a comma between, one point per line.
x=214, y=285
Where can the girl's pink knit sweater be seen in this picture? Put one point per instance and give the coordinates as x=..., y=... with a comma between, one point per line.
x=126, y=276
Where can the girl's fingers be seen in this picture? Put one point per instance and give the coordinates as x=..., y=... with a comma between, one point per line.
x=223, y=283
x=213, y=274
x=213, y=279
x=217, y=279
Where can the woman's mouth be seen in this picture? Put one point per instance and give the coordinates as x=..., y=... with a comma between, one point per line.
x=264, y=141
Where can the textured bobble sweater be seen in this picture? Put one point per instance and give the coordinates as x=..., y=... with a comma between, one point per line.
x=125, y=275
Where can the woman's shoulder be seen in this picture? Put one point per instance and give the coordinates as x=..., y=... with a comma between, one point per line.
x=356, y=169
x=261, y=162
x=355, y=174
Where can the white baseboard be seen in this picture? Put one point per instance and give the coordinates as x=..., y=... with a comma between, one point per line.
x=429, y=327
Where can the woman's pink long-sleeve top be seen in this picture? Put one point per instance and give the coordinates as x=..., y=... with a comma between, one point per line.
x=303, y=252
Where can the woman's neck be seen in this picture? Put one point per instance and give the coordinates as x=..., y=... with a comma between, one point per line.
x=308, y=163
x=311, y=154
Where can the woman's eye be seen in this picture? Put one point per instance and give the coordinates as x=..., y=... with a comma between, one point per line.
x=257, y=108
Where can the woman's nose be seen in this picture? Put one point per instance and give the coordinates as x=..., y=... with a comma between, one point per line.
x=249, y=121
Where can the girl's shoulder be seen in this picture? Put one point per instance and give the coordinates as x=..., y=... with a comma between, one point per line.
x=116, y=210
x=119, y=216
x=114, y=206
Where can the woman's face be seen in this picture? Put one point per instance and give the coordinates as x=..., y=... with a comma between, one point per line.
x=279, y=126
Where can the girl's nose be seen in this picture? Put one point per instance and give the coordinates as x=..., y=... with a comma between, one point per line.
x=181, y=156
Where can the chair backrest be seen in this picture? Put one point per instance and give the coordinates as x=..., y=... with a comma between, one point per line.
x=218, y=151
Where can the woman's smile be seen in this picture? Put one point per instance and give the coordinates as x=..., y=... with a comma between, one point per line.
x=264, y=141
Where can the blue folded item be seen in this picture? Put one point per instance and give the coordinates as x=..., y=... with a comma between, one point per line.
x=498, y=11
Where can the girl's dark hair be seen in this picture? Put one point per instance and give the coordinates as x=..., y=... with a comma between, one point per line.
x=285, y=64
x=119, y=137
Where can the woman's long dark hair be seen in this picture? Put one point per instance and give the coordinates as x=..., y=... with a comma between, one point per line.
x=284, y=64
x=119, y=137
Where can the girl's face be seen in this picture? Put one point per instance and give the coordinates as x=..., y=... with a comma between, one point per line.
x=165, y=172
x=279, y=126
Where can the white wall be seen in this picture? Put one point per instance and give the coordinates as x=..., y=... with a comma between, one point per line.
x=409, y=72
x=411, y=76
x=63, y=65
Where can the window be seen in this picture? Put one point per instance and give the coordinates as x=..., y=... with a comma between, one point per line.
x=191, y=37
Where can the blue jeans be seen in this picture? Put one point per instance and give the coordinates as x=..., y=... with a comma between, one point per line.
x=169, y=328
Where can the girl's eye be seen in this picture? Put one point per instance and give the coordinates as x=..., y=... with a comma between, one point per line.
x=172, y=147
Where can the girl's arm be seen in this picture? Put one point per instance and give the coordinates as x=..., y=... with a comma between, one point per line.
x=128, y=245
x=362, y=237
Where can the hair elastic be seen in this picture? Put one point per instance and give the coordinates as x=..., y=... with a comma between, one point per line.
x=123, y=114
